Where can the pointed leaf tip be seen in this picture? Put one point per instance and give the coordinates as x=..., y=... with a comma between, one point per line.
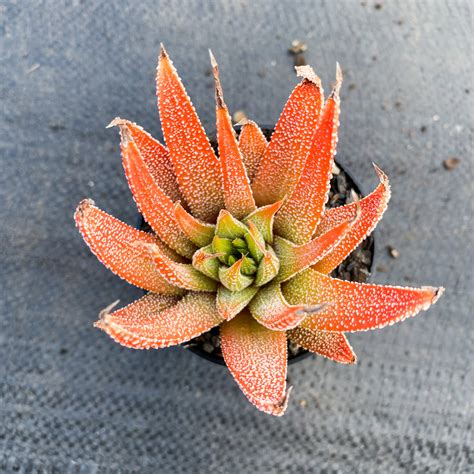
x=296, y=258
x=229, y=227
x=82, y=208
x=380, y=173
x=116, y=121
x=206, y=261
x=213, y=59
x=307, y=72
x=275, y=409
x=217, y=82
x=263, y=219
x=155, y=156
x=337, y=87
x=104, y=313
x=437, y=292
x=267, y=268
x=163, y=53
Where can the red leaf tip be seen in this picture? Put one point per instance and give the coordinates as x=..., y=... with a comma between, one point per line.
x=163, y=53
x=125, y=134
x=337, y=86
x=104, y=315
x=213, y=59
x=382, y=176
x=218, y=86
x=278, y=409
x=245, y=121
x=82, y=208
x=437, y=293
x=307, y=72
x=115, y=121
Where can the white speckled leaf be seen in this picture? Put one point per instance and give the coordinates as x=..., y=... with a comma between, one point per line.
x=257, y=359
x=301, y=212
x=356, y=306
x=332, y=345
x=121, y=248
x=197, y=168
x=153, y=203
x=285, y=155
x=156, y=321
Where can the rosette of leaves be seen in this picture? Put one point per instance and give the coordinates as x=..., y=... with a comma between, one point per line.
x=242, y=239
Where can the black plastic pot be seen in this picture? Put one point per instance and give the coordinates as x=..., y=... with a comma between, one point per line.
x=197, y=349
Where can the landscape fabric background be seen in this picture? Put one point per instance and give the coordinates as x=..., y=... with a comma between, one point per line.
x=71, y=400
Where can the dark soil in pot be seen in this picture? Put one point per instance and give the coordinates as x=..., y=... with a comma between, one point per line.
x=357, y=266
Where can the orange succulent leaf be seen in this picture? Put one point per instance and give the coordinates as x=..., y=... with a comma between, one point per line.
x=257, y=359
x=270, y=308
x=120, y=248
x=332, y=345
x=199, y=232
x=155, y=156
x=372, y=208
x=356, y=306
x=157, y=321
x=263, y=219
x=296, y=258
x=252, y=145
x=285, y=155
x=300, y=214
x=182, y=275
x=231, y=303
x=238, y=196
x=155, y=206
x=197, y=168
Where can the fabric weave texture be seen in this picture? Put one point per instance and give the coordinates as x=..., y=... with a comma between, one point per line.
x=70, y=399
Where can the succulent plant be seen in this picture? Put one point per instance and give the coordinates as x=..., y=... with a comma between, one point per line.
x=242, y=240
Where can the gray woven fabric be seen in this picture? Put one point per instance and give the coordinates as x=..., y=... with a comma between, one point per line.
x=71, y=400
